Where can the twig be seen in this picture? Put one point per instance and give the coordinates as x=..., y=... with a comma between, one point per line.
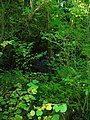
x=38, y=7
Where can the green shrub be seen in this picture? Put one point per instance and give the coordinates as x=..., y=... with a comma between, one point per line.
x=21, y=103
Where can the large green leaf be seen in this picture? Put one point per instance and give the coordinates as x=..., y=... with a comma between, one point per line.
x=55, y=117
x=60, y=107
x=39, y=112
x=56, y=108
x=1, y=99
x=63, y=108
x=26, y=97
x=22, y=105
x=18, y=117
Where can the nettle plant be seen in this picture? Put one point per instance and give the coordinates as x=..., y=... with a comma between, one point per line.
x=21, y=104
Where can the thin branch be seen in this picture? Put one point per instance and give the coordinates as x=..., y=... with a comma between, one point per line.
x=31, y=4
x=34, y=11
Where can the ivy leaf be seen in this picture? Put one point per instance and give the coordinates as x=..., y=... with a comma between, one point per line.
x=5, y=112
x=5, y=117
x=32, y=113
x=39, y=112
x=26, y=97
x=30, y=84
x=29, y=116
x=18, y=117
x=1, y=99
x=55, y=117
x=32, y=97
x=5, y=43
x=14, y=94
x=34, y=91
x=63, y=108
x=56, y=108
x=18, y=85
x=18, y=111
x=13, y=101
x=48, y=106
x=22, y=105
x=35, y=81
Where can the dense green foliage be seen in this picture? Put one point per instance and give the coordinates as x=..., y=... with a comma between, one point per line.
x=44, y=60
